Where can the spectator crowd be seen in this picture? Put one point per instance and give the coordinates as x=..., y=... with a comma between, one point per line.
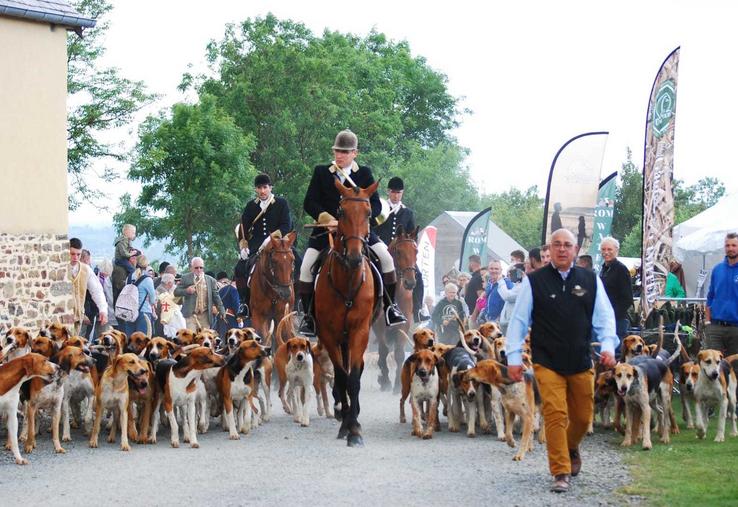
x=128, y=294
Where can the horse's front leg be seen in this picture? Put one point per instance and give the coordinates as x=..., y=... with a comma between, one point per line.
x=383, y=350
x=354, y=386
x=340, y=391
x=399, y=343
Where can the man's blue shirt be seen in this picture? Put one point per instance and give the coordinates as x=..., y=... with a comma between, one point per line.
x=722, y=298
x=495, y=303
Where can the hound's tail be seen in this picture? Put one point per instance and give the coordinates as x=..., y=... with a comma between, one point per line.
x=678, y=345
x=280, y=327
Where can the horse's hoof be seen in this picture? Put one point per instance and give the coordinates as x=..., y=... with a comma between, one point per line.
x=355, y=441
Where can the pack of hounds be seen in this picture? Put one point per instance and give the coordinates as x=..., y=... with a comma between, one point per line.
x=133, y=382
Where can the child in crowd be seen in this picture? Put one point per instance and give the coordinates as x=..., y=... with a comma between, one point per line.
x=124, y=249
x=477, y=317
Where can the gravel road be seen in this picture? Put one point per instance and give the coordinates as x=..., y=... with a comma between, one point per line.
x=281, y=463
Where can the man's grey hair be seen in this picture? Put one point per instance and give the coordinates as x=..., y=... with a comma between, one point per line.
x=609, y=239
x=167, y=278
x=564, y=231
x=450, y=287
x=196, y=259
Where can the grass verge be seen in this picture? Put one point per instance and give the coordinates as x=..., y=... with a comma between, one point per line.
x=687, y=471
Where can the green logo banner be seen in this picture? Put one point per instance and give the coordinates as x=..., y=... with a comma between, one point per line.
x=603, y=215
x=475, y=239
x=658, y=194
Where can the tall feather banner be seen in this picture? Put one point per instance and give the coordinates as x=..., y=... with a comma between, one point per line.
x=571, y=194
x=604, y=213
x=658, y=196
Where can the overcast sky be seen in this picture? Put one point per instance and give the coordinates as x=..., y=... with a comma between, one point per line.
x=534, y=73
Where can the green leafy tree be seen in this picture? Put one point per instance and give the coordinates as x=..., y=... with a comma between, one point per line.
x=193, y=166
x=432, y=172
x=519, y=213
x=99, y=100
x=688, y=202
x=694, y=199
x=293, y=91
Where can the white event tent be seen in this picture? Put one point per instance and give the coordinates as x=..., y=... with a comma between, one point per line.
x=698, y=243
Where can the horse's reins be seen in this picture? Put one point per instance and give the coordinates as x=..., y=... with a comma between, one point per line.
x=343, y=259
x=273, y=284
x=393, y=248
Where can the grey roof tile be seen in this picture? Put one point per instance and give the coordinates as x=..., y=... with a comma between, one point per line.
x=48, y=11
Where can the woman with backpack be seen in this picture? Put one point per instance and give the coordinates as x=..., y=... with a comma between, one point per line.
x=144, y=318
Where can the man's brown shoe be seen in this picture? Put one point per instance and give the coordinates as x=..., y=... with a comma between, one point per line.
x=576, y=462
x=560, y=483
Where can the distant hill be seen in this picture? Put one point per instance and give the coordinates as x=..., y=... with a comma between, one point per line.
x=99, y=241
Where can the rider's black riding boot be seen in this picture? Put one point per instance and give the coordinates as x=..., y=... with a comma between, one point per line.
x=307, y=326
x=243, y=310
x=392, y=314
x=418, y=292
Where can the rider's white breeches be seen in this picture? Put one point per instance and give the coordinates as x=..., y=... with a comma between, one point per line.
x=311, y=255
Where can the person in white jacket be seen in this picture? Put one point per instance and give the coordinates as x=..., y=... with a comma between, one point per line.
x=516, y=275
x=83, y=279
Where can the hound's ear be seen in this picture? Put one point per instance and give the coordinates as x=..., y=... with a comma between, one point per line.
x=700, y=355
x=721, y=356
x=636, y=373
x=439, y=360
x=456, y=379
x=412, y=358
x=65, y=363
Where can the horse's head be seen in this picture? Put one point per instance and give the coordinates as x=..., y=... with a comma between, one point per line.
x=404, y=250
x=280, y=263
x=354, y=214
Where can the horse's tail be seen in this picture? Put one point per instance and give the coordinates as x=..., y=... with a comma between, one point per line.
x=287, y=318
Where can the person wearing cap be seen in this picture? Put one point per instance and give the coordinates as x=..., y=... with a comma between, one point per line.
x=322, y=201
x=260, y=218
x=231, y=302
x=400, y=216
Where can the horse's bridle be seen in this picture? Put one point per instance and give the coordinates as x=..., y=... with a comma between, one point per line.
x=393, y=247
x=343, y=257
x=273, y=283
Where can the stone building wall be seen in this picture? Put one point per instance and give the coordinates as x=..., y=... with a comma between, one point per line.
x=34, y=289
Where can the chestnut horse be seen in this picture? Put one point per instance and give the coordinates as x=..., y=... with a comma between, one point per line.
x=404, y=251
x=271, y=284
x=345, y=305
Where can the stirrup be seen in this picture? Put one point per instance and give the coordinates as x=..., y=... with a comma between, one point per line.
x=307, y=326
x=393, y=316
